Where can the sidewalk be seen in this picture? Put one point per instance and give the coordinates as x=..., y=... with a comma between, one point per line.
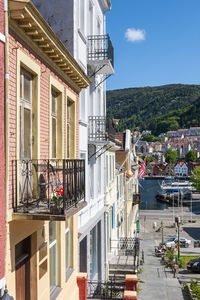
x=158, y=281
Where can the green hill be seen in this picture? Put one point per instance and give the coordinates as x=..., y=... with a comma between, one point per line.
x=159, y=109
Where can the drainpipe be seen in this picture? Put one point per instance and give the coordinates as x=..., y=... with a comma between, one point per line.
x=6, y=126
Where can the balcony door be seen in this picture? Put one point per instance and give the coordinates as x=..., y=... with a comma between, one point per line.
x=26, y=186
x=25, y=115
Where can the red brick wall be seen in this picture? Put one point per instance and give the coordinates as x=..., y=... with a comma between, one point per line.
x=45, y=72
x=2, y=150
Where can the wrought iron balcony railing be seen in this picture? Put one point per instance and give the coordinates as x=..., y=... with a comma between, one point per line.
x=97, y=129
x=100, y=49
x=47, y=186
x=111, y=289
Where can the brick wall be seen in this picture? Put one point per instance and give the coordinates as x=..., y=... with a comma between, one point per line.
x=2, y=150
x=45, y=72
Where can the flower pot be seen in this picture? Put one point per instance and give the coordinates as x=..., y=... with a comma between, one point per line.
x=55, y=210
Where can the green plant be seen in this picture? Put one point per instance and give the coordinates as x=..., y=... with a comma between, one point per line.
x=58, y=198
x=170, y=254
x=140, y=271
x=195, y=288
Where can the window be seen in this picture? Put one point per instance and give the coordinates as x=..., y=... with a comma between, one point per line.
x=93, y=253
x=82, y=105
x=25, y=114
x=107, y=171
x=52, y=255
x=82, y=15
x=67, y=249
x=90, y=19
x=54, y=123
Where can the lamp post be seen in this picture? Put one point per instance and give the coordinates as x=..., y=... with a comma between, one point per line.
x=178, y=221
x=162, y=231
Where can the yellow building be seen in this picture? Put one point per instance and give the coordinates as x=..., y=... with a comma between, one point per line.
x=124, y=158
x=46, y=180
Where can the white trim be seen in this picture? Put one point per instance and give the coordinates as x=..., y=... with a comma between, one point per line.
x=2, y=286
x=2, y=37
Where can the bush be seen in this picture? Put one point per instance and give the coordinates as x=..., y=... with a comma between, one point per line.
x=170, y=254
x=195, y=288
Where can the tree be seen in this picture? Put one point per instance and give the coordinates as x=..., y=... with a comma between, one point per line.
x=191, y=156
x=171, y=156
x=195, y=178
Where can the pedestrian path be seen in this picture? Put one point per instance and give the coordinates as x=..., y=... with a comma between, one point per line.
x=158, y=281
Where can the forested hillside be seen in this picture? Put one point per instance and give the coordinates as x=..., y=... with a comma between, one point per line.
x=159, y=108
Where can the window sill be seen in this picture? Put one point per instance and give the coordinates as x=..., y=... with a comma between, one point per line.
x=54, y=294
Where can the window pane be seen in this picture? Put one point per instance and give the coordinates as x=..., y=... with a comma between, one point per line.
x=67, y=250
x=27, y=133
x=27, y=88
x=52, y=232
x=53, y=99
x=68, y=141
x=52, y=257
x=93, y=251
x=53, y=137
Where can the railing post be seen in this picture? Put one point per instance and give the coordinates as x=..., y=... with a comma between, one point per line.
x=64, y=196
x=75, y=181
x=27, y=180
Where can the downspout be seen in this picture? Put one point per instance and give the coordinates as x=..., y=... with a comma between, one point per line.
x=6, y=127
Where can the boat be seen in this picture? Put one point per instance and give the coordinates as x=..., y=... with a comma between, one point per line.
x=177, y=186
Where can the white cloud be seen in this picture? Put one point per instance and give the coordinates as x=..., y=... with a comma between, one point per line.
x=135, y=35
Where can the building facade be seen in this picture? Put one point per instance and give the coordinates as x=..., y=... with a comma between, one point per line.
x=80, y=24
x=2, y=150
x=46, y=177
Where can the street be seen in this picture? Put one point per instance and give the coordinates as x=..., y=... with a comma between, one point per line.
x=159, y=282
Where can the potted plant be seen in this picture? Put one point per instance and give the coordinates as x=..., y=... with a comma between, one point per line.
x=57, y=199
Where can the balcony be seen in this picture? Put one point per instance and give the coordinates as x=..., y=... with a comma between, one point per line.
x=136, y=198
x=100, y=54
x=97, y=129
x=111, y=289
x=47, y=189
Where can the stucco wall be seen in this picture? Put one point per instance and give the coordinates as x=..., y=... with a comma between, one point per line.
x=2, y=160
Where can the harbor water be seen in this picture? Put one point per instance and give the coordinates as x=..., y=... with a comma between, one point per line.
x=148, y=189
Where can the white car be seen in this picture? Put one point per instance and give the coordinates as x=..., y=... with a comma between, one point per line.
x=171, y=242
x=183, y=242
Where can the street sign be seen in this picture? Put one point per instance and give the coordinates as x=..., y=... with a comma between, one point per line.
x=137, y=226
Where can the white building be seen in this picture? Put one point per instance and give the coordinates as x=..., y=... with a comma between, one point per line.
x=181, y=169
x=80, y=24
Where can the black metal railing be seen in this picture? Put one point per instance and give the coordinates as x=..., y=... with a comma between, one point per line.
x=97, y=128
x=136, y=198
x=105, y=289
x=47, y=185
x=100, y=48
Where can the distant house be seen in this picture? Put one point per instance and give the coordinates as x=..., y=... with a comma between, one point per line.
x=181, y=169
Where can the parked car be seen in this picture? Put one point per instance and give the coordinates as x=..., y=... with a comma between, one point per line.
x=194, y=265
x=183, y=242
x=170, y=242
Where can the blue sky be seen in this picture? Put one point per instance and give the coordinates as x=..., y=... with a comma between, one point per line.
x=168, y=49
